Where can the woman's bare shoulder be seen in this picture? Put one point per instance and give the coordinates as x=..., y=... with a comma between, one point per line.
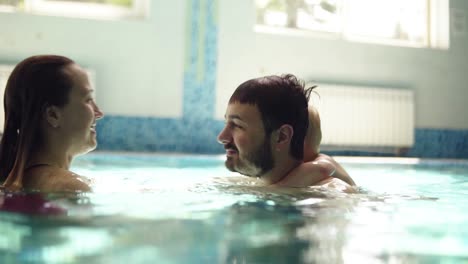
x=53, y=179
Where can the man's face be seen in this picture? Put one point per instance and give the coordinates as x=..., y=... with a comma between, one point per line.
x=248, y=150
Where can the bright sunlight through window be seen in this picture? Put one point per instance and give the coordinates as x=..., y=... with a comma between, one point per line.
x=416, y=23
x=94, y=9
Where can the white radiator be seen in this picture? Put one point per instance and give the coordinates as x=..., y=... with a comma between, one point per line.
x=365, y=116
x=5, y=71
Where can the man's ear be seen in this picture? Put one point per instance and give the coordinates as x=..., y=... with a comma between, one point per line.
x=284, y=135
x=53, y=116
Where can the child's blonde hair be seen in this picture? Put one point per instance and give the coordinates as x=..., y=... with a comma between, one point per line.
x=313, y=136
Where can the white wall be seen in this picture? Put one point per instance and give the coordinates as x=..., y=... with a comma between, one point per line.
x=438, y=77
x=139, y=64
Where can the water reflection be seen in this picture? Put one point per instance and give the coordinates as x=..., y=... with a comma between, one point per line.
x=218, y=223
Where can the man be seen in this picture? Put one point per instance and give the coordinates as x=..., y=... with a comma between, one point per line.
x=266, y=123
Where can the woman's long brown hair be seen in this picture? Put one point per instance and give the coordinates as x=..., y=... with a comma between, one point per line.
x=36, y=83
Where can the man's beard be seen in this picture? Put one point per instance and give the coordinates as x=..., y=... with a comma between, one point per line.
x=252, y=164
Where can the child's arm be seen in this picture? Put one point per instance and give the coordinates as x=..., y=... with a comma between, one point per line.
x=308, y=174
x=343, y=175
x=340, y=172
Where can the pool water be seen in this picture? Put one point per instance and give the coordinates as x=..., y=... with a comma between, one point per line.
x=190, y=209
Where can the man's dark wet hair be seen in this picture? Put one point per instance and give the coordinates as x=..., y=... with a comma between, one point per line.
x=281, y=100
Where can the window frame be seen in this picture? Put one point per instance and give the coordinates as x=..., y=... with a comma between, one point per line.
x=96, y=11
x=437, y=35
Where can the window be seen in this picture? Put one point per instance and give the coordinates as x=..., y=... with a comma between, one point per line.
x=96, y=9
x=418, y=23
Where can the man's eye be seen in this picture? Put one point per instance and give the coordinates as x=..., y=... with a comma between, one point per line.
x=234, y=125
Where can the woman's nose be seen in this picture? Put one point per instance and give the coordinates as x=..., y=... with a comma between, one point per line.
x=97, y=112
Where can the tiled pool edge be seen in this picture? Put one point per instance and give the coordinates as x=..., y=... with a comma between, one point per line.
x=139, y=134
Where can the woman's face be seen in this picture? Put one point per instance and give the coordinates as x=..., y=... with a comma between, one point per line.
x=79, y=115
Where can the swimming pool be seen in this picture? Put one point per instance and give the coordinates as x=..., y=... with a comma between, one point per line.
x=190, y=209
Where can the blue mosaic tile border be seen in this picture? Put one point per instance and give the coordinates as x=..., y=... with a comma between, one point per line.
x=437, y=143
x=429, y=143
x=196, y=132
x=202, y=52
x=116, y=133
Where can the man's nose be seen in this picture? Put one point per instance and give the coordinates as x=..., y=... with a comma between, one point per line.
x=223, y=136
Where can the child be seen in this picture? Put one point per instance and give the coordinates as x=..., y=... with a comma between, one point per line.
x=317, y=169
x=312, y=148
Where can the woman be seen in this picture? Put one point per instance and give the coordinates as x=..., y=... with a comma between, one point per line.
x=50, y=117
